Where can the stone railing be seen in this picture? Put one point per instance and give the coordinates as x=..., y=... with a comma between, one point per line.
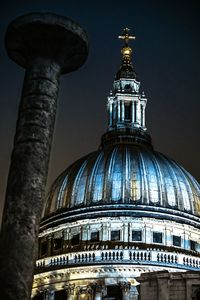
x=126, y=256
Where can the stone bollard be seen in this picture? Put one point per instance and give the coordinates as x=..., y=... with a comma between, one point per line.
x=46, y=45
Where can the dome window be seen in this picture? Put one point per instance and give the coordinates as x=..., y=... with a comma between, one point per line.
x=176, y=241
x=43, y=248
x=95, y=236
x=137, y=235
x=115, y=235
x=57, y=244
x=157, y=237
x=192, y=245
x=128, y=88
x=75, y=240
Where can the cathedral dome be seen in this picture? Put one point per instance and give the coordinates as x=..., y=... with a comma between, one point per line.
x=125, y=174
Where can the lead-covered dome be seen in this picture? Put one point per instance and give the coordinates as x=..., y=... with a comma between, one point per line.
x=128, y=174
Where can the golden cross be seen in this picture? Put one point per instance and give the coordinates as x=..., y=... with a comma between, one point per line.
x=126, y=37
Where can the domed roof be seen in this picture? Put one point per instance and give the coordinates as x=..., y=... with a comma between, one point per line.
x=125, y=174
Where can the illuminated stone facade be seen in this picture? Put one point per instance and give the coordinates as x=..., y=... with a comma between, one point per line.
x=119, y=213
x=170, y=286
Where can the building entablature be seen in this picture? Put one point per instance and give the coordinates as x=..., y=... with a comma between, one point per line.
x=73, y=281
x=126, y=85
x=120, y=210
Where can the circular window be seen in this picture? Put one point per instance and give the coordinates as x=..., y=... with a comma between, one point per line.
x=127, y=87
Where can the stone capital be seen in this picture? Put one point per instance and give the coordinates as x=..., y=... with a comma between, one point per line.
x=70, y=288
x=125, y=286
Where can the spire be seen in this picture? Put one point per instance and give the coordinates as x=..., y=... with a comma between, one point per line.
x=126, y=70
x=126, y=104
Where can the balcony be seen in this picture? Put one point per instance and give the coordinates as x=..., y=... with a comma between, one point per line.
x=143, y=257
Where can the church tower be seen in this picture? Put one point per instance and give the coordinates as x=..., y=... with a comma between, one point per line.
x=126, y=106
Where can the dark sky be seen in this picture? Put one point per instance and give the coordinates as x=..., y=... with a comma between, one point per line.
x=167, y=61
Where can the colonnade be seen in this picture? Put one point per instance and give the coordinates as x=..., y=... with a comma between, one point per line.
x=93, y=291
x=117, y=114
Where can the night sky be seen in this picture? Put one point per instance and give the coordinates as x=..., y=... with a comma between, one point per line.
x=166, y=57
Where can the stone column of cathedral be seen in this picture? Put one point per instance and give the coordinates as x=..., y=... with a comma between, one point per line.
x=134, y=293
x=97, y=291
x=98, y=294
x=70, y=291
x=125, y=286
x=46, y=45
x=49, y=295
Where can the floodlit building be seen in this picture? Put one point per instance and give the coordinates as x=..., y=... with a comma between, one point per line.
x=123, y=222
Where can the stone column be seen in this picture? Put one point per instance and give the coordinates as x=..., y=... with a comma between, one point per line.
x=46, y=45
x=138, y=110
x=142, y=115
x=125, y=286
x=133, y=116
x=98, y=295
x=148, y=234
x=85, y=233
x=186, y=241
x=168, y=237
x=97, y=290
x=118, y=112
x=85, y=292
x=66, y=238
x=105, y=232
x=70, y=289
x=125, y=233
x=133, y=293
x=123, y=108
x=50, y=295
x=110, y=115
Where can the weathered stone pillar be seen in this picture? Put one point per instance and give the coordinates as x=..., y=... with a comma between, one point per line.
x=125, y=233
x=98, y=295
x=70, y=296
x=49, y=295
x=85, y=293
x=134, y=293
x=105, y=232
x=70, y=289
x=125, y=286
x=97, y=291
x=46, y=45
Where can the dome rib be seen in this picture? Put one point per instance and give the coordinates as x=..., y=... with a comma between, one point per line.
x=144, y=179
x=189, y=192
x=171, y=177
x=94, y=187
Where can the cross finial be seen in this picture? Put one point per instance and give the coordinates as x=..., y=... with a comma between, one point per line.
x=126, y=37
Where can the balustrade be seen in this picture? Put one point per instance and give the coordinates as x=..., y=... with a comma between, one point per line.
x=151, y=256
